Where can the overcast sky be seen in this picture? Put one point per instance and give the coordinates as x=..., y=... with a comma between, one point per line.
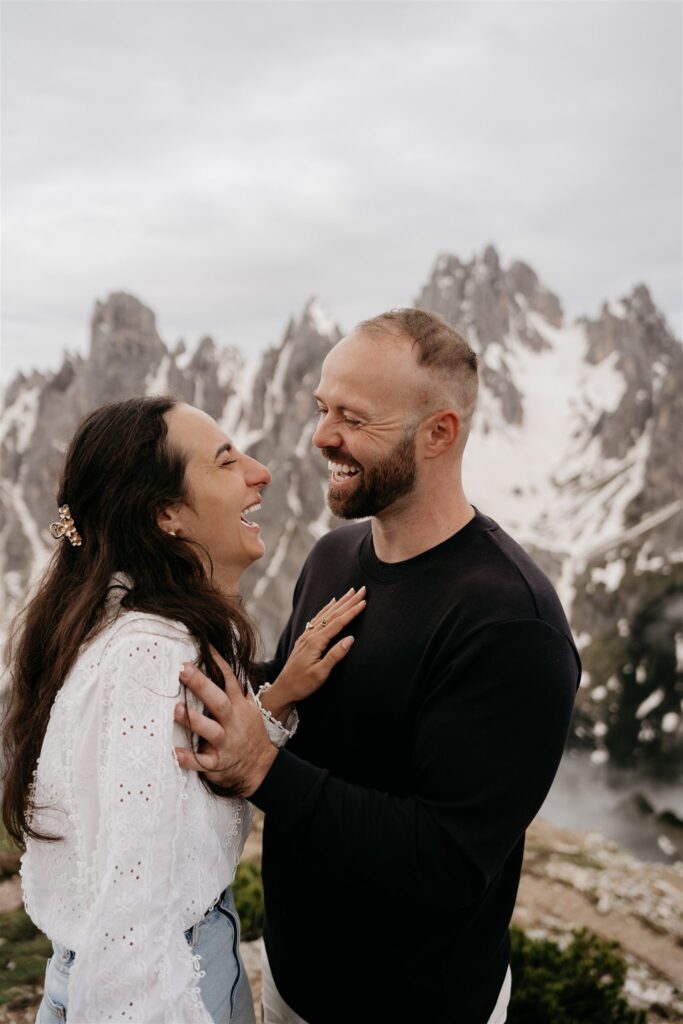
x=224, y=161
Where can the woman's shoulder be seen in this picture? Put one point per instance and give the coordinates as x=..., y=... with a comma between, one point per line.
x=145, y=647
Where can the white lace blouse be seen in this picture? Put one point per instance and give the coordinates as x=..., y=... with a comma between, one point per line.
x=146, y=849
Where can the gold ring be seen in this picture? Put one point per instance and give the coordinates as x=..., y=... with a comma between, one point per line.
x=323, y=622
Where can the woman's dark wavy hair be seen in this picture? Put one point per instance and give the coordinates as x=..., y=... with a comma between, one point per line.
x=119, y=473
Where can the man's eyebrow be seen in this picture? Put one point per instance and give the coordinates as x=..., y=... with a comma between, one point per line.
x=347, y=408
x=227, y=447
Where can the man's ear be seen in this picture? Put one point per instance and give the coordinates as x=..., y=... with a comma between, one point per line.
x=442, y=430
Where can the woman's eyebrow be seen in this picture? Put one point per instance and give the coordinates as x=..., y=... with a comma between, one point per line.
x=227, y=447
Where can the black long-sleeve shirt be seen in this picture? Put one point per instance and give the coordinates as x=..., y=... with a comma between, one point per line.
x=395, y=817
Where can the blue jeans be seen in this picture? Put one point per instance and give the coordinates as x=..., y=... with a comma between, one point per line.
x=216, y=938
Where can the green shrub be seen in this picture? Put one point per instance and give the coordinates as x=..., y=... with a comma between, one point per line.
x=248, y=892
x=578, y=985
x=23, y=954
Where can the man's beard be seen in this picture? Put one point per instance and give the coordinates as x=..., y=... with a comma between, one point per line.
x=379, y=487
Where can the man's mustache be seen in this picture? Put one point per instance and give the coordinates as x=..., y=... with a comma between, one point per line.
x=335, y=455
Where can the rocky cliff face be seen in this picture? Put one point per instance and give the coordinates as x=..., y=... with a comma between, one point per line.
x=575, y=450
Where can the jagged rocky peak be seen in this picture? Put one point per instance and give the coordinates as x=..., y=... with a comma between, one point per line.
x=631, y=339
x=122, y=313
x=631, y=325
x=319, y=320
x=307, y=341
x=205, y=354
x=488, y=304
x=522, y=280
x=125, y=349
x=289, y=371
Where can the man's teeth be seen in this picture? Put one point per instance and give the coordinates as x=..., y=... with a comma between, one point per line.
x=342, y=469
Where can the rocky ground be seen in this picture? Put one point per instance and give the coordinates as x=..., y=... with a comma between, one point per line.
x=570, y=880
x=582, y=880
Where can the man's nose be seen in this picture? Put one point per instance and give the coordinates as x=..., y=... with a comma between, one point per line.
x=326, y=435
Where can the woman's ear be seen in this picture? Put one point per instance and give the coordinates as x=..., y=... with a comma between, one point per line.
x=168, y=520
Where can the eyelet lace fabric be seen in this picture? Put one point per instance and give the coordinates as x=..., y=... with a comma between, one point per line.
x=145, y=848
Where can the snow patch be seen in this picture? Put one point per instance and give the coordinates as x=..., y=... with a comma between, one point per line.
x=611, y=575
x=237, y=404
x=650, y=703
x=276, y=562
x=22, y=416
x=670, y=721
x=157, y=383
x=321, y=320
x=322, y=525
x=293, y=499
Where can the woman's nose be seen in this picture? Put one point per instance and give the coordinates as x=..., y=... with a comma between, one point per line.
x=258, y=475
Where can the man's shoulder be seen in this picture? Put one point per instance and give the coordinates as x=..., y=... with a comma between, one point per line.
x=508, y=580
x=339, y=542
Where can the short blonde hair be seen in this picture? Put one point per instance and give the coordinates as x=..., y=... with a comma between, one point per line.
x=443, y=352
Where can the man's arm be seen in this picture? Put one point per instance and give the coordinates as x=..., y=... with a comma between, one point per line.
x=488, y=739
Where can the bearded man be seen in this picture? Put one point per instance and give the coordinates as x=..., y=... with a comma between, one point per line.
x=395, y=818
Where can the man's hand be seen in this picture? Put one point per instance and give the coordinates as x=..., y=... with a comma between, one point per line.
x=236, y=752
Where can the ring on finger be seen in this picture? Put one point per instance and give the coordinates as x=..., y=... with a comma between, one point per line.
x=309, y=625
x=323, y=622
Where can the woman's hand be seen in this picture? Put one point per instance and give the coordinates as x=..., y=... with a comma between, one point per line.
x=308, y=666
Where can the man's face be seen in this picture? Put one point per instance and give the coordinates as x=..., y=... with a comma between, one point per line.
x=366, y=402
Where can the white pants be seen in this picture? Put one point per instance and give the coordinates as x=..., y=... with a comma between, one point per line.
x=276, y=1010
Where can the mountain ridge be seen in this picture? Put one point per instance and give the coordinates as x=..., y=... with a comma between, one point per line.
x=574, y=449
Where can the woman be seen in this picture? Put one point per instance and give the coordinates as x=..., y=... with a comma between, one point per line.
x=128, y=858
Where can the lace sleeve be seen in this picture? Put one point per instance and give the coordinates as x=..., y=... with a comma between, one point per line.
x=135, y=963
x=277, y=732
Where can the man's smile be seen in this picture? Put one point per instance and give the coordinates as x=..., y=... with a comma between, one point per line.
x=341, y=472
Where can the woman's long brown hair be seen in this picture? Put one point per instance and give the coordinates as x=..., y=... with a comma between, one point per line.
x=119, y=473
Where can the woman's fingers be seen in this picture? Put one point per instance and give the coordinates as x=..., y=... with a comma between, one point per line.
x=336, y=608
x=321, y=614
x=335, y=655
x=335, y=605
x=340, y=619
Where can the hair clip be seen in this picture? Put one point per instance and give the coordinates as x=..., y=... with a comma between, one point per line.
x=66, y=527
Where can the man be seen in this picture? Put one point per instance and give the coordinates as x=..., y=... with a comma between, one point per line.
x=395, y=817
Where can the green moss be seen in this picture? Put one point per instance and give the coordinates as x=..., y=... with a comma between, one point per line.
x=582, y=860
x=581, y=984
x=7, y=845
x=23, y=953
x=248, y=892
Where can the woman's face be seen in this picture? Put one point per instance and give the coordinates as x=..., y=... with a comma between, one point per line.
x=222, y=485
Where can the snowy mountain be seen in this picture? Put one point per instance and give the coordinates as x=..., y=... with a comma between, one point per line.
x=575, y=450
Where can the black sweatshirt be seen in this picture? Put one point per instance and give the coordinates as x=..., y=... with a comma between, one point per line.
x=395, y=816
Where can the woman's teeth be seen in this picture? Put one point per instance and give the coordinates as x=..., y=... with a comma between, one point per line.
x=250, y=510
x=342, y=471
